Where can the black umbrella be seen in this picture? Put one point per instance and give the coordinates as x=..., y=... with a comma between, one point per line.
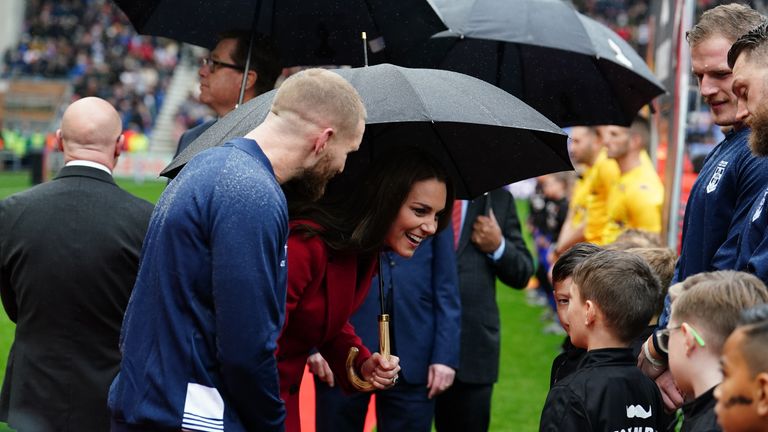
x=308, y=32
x=485, y=137
x=565, y=65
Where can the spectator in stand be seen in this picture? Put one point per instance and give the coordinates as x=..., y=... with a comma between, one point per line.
x=221, y=76
x=91, y=43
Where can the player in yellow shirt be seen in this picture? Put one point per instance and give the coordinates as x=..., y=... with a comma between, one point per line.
x=605, y=174
x=585, y=148
x=636, y=199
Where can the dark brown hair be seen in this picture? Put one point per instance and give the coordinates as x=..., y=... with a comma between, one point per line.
x=265, y=59
x=754, y=347
x=753, y=42
x=360, y=221
x=623, y=287
x=568, y=261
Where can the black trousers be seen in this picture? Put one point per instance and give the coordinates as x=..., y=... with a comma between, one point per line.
x=464, y=408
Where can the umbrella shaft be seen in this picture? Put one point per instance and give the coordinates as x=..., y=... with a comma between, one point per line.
x=384, y=348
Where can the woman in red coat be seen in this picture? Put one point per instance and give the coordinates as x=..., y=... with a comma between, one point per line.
x=332, y=256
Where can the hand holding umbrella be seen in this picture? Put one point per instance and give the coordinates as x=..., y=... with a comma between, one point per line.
x=384, y=348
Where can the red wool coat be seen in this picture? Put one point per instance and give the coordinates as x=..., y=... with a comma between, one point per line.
x=324, y=290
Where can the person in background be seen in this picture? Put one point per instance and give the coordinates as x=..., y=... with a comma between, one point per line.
x=422, y=297
x=635, y=200
x=549, y=208
x=585, y=149
x=603, y=175
x=488, y=246
x=662, y=262
x=69, y=254
x=221, y=76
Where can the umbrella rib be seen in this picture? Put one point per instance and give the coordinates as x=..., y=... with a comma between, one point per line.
x=416, y=92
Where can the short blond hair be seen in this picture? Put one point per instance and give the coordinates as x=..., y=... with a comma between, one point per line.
x=323, y=98
x=635, y=238
x=662, y=262
x=715, y=301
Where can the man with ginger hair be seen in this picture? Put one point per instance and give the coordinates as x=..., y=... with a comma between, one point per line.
x=69, y=254
x=200, y=333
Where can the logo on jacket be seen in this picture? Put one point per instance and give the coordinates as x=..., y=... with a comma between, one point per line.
x=716, y=176
x=759, y=210
x=637, y=411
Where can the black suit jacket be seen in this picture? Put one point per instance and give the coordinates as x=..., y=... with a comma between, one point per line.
x=69, y=254
x=480, y=325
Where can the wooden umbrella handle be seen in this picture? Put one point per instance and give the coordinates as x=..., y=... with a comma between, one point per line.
x=357, y=382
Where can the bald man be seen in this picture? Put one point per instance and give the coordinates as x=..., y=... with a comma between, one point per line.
x=200, y=333
x=69, y=254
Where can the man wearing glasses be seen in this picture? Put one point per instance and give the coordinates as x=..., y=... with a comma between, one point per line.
x=703, y=316
x=221, y=75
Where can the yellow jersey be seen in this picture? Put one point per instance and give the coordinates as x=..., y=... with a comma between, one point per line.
x=580, y=198
x=605, y=173
x=635, y=201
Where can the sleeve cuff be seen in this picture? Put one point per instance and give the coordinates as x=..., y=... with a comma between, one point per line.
x=496, y=255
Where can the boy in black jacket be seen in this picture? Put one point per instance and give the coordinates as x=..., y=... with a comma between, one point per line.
x=562, y=277
x=613, y=296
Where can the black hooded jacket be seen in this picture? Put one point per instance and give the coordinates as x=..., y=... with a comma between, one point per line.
x=608, y=393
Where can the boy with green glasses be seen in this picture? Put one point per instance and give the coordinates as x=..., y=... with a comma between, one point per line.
x=703, y=316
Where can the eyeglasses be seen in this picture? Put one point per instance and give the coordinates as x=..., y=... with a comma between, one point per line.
x=213, y=65
x=662, y=336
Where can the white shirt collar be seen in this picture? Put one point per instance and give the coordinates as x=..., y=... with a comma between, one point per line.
x=89, y=164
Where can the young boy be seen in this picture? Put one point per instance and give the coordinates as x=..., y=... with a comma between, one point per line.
x=742, y=397
x=662, y=262
x=567, y=361
x=703, y=316
x=613, y=296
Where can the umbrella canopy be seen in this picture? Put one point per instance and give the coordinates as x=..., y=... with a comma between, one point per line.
x=308, y=32
x=565, y=65
x=485, y=137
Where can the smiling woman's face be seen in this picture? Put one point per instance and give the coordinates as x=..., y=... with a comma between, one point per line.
x=417, y=218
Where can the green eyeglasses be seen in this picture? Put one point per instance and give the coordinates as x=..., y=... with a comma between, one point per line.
x=662, y=336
